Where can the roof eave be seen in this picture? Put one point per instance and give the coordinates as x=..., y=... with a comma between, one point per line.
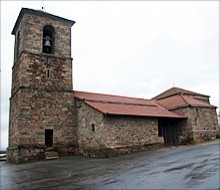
x=151, y=116
x=192, y=106
x=95, y=107
x=36, y=12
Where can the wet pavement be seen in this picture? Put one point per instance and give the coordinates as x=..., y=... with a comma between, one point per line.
x=183, y=167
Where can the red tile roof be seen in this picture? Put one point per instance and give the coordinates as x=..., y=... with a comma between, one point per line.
x=174, y=91
x=112, y=98
x=127, y=106
x=180, y=100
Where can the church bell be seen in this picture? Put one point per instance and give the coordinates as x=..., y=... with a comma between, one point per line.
x=47, y=41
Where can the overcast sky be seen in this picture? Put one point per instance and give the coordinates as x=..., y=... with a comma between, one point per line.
x=131, y=48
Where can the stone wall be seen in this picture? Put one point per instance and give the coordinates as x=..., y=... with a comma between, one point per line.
x=24, y=153
x=38, y=101
x=20, y=36
x=118, y=133
x=205, y=123
x=125, y=131
x=186, y=126
x=42, y=72
x=86, y=118
x=41, y=93
x=201, y=124
x=31, y=30
x=40, y=110
x=14, y=111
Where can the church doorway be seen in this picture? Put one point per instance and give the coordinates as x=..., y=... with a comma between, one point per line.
x=48, y=137
x=170, y=131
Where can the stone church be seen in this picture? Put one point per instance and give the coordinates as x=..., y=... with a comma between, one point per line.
x=47, y=115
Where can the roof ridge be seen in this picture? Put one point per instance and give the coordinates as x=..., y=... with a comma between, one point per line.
x=169, y=109
x=160, y=105
x=185, y=99
x=162, y=93
x=168, y=96
x=177, y=90
x=190, y=91
x=116, y=102
x=112, y=95
x=199, y=101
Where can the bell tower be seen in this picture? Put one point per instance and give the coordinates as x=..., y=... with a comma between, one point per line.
x=41, y=104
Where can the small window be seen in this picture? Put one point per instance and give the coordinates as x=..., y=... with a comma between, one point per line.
x=93, y=127
x=48, y=73
x=197, y=112
x=48, y=39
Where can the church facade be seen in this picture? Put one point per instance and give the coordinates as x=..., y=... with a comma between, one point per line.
x=46, y=113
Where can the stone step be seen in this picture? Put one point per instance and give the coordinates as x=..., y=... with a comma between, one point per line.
x=50, y=155
x=52, y=158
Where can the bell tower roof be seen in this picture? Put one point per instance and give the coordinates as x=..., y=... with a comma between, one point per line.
x=38, y=13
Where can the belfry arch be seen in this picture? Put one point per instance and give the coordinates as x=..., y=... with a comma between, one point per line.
x=48, y=39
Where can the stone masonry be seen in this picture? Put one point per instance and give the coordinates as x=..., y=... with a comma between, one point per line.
x=114, y=134
x=202, y=123
x=41, y=95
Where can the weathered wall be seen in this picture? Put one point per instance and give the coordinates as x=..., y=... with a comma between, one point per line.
x=130, y=131
x=114, y=132
x=41, y=93
x=201, y=124
x=205, y=123
x=31, y=70
x=24, y=153
x=40, y=110
x=186, y=126
x=31, y=30
x=86, y=117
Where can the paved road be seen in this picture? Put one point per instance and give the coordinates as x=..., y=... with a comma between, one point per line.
x=184, y=167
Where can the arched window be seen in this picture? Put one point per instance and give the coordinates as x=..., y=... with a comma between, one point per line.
x=48, y=39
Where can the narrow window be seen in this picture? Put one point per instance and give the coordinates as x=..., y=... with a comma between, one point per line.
x=197, y=112
x=93, y=127
x=17, y=44
x=48, y=39
x=48, y=73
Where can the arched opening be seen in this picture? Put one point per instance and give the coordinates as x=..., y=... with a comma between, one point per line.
x=17, y=44
x=48, y=39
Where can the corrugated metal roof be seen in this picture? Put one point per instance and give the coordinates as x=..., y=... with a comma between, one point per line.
x=126, y=106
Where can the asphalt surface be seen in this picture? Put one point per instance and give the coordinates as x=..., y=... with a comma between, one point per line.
x=184, y=167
